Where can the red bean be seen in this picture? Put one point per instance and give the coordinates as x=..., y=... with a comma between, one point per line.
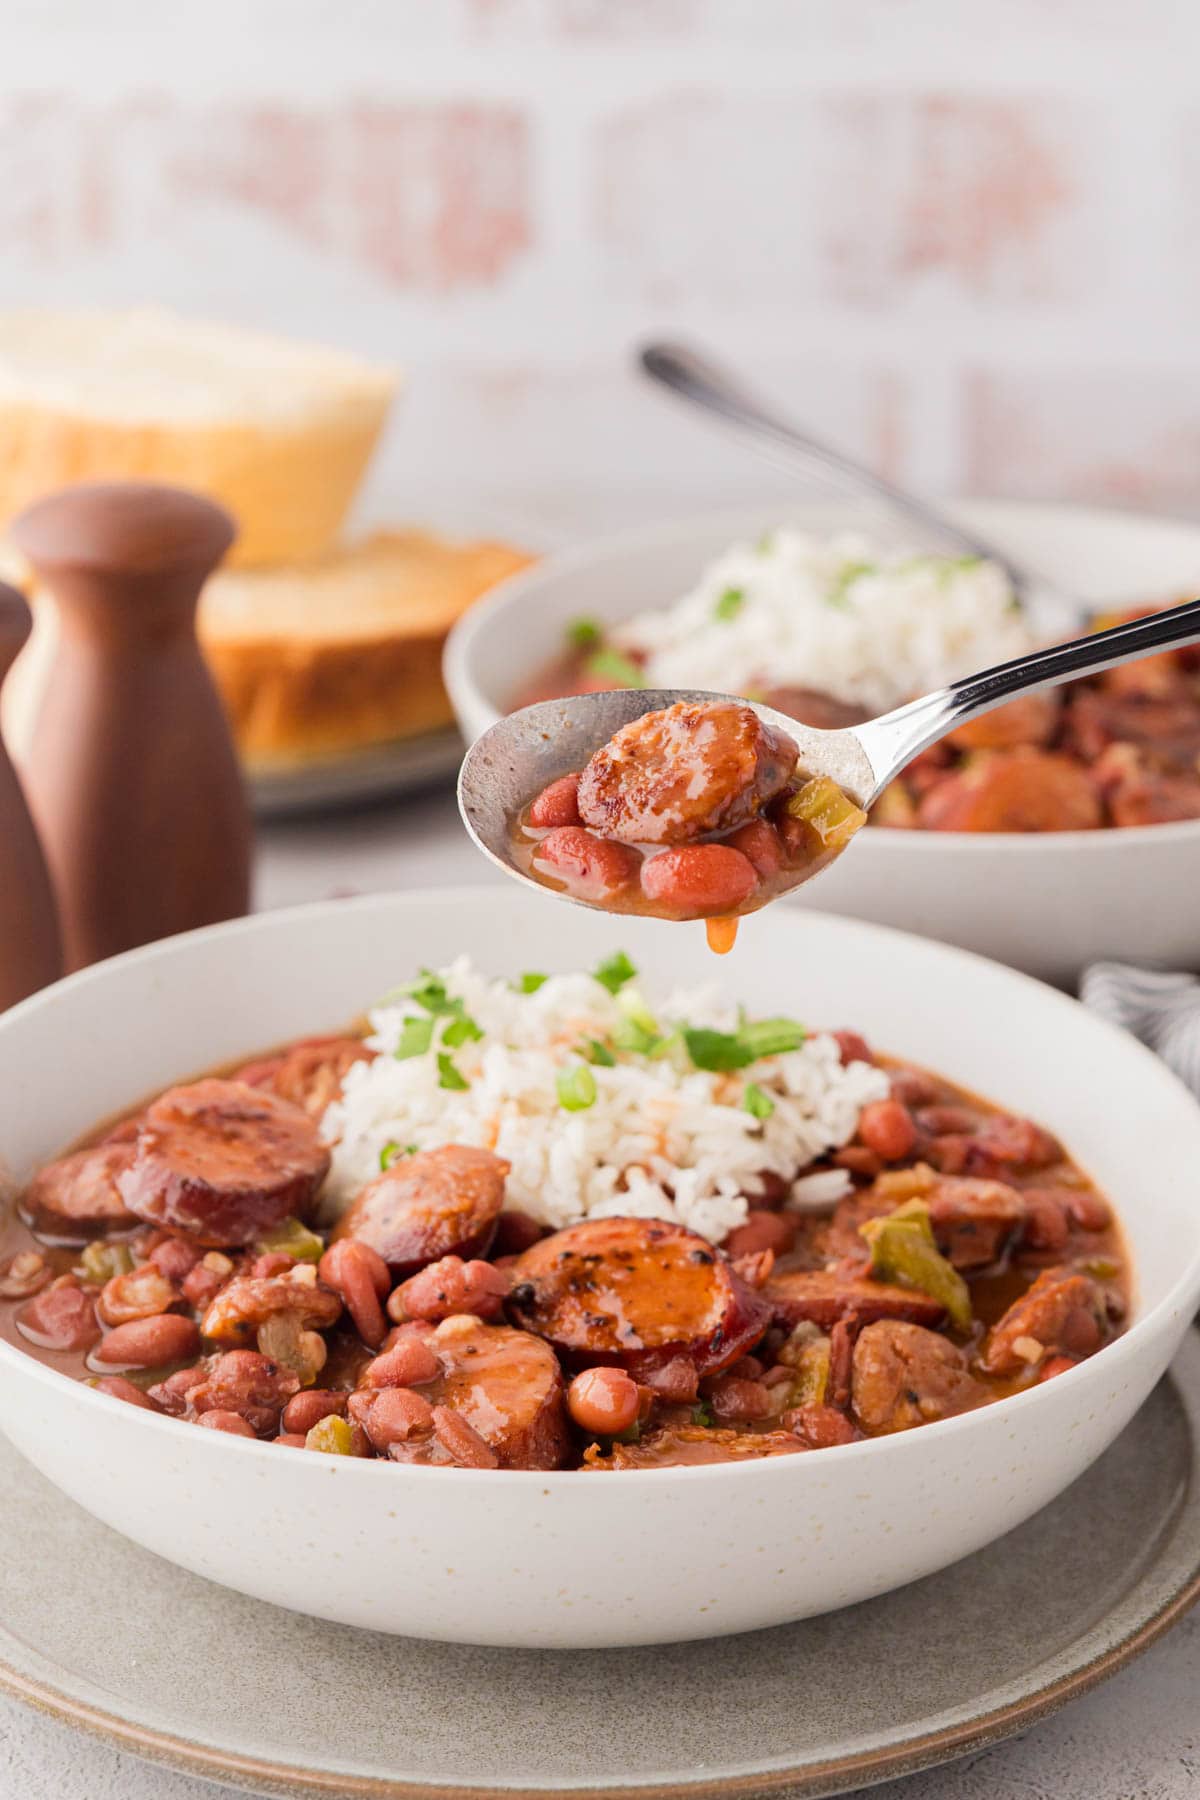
x=760, y=842
x=755, y=1269
x=913, y=1086
x=737, y=1402
x=762, y=1231
x=604, y=1400
x=303, y=1410
x=120, y=1389
x=557, y=804
x=462, y=1441
x=853, y=1046
x=409, y=1362
x=1057, y=1365
x=820, y=1427
x=699, y=878
x=591, y=866
x=676, y=1380
x=858, y=1160
x=272, y=1262
x=515, y=1232
x=747, y=1368
x=1046, y=1224
x=144, y=1343
x=360, y=1277
x=292, y=1439
x=391, y=1415
x=175, y=1257
x=886, y=1127
x=201, y=1286
x=232, y=1422
x=23, y=1274
x=451, y=1286
x=1089, y=1211
x=61, y=1317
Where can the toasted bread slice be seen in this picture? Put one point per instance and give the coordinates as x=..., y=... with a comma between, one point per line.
x=346, y=652
x=279, y=432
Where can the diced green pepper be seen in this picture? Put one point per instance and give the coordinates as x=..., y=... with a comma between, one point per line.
x=903, y=1250
x=291, y=1238
x=823, y=807
x=332, y=1435
x=100, y=1262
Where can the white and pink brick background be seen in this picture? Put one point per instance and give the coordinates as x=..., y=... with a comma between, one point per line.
x=962, y=239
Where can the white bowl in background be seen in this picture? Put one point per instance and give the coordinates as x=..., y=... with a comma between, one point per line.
x=1047, y=903
x=565, y=1559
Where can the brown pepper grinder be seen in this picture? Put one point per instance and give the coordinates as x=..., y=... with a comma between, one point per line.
x=131, y=773
x=30, y=946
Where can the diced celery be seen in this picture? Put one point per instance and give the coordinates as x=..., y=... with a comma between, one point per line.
x=332, y=1435
x=100, y=1262
x=822, y=806
x=291, y=1238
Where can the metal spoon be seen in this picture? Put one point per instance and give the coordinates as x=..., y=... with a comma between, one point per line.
x=696, y=379
x=521, y=754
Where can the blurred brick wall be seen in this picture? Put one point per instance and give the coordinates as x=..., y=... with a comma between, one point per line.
x=961, y=239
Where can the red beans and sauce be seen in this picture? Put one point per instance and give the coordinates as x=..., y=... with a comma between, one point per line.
x=696, y=812
x=175, y=1264
x=1113, y=750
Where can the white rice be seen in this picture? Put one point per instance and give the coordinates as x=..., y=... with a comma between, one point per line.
x=871, y=625
x=662, y=1139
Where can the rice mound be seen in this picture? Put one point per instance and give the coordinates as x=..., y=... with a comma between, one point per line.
x=659, y=1138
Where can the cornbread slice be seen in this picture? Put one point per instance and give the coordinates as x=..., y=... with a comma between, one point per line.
x=345, y=652
x=279, y=432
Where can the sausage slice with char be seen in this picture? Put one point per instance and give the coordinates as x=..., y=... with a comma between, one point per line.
x=674, y=776
x=680, y=1446
x=77, y=1197
x=223, y=1161
x=826, y=1295
x=638, y=1292
x=443, y=1202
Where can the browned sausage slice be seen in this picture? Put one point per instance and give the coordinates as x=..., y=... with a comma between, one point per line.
x=77, y=1197
x=904, y=1375
x=310, y=1074
x=223, y=1161
x=443, y=1202
x=1062, y=1314
x=638, y=1292
x=674, y=776
x=827, y=1295
x=506, y=1385
x=677, y=1446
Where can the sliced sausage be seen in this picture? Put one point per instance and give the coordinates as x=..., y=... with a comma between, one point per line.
x=674, y=776
x=638, y=1292
x=904, y=1375
x=679, y=1446
x=223, y=1161
x=974, y=1222
x=826, y=1295
x=77, y=1197
x=310, y=1074
x=1014, y=790
x=505, y=1385
x=443, y=1202
x=1062, y=1314
x=248, y=1301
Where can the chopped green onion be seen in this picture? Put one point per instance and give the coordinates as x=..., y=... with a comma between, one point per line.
x=756, y=1102
x=576, y=1088
x=729, y=604
x=766, y=543
x=462, y=1030
x=848, y=574
x=722, y=1051
x=632, y=1037
x=615, y=972
x=391, y=1150
x=631, y=1435
x=416, y=1035
x=772, y=1037
x=610, y=665
x=596, y=1052
x=583, y=633
x=429, y=991
x=448, y=1075
x=531, y=982
x=702, y=1414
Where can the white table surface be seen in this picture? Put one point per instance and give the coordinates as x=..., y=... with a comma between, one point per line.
x=1135, y=1738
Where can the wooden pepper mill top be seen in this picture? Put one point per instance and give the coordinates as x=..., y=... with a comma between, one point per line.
x=132, y=775
x=30, y=946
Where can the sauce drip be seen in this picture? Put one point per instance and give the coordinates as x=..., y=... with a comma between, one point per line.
x=721, y=934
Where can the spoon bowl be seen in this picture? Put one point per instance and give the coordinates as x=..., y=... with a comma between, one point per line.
x=523, y=753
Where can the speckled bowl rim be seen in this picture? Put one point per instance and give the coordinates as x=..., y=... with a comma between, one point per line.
x=834, y=1775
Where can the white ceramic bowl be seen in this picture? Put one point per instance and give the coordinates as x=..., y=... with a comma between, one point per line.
x=567, y=1559
x=1048, y=903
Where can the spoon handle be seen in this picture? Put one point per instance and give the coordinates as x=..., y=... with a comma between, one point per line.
x=700, y=381
x=894, y=739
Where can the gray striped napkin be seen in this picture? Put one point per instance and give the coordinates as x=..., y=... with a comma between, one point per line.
x=1159, y=1006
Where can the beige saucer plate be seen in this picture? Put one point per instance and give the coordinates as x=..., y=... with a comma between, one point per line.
x=176, y=1669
